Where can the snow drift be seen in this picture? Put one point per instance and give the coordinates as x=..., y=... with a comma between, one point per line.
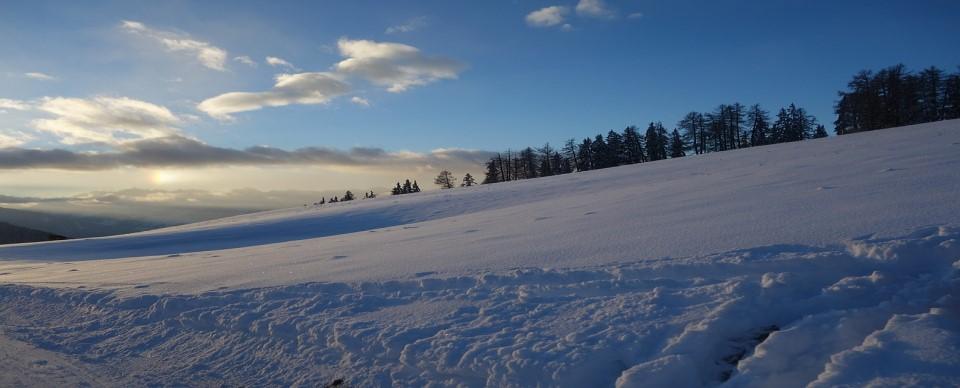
x=821, y=263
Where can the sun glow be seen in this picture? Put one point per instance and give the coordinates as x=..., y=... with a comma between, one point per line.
x=164, y=177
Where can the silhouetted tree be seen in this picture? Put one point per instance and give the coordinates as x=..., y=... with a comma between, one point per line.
x=633, y=145
x=656, y=141
x=820, y=132
x=677, y=146
x=895, y=97
x=468, y=180
x=759, y=125
x=445, y=180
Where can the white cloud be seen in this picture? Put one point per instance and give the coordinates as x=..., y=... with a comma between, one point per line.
x=360, y=101
x=6, y=103
x=547, y=17
x=39, y=76
x=11, y=138
x=107, y=120
x=595, y=8
x=207, y=54
x=246, y=60
x=411, y=25
x=302, y=88
x=566, y=27
x=280, y=62
x=393, y=65
x=635, y=15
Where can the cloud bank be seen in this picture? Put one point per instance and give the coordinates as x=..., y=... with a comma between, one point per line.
x=178, y=151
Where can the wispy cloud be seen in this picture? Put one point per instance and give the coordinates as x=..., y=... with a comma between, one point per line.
x=635, y=15
x=246, y=60
x=178, y=151
x=107, y=120
x=595, y=9
x=548, y=16
x=207, y=54
x=360, y=101
x=395, y=66
x=11, y=138
x=408, y=26
x=6, y=103
x=36, y=75
x=280, y=62
x=302, y=88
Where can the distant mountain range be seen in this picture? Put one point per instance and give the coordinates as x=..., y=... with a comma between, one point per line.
x=72, y=226
x=12, y=234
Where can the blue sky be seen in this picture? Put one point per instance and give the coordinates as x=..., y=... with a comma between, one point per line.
x=505, y=81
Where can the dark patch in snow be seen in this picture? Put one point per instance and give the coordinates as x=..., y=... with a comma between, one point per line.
x=742, y=347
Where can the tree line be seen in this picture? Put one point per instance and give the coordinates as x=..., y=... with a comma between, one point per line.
x=891, y=97
x=729, y=126
x=894, y=97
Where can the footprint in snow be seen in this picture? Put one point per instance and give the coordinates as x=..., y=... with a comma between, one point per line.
x=5, y=273
x=542, y=218
x=174, y=255
x=339, y=257
x=410, y=227
x=141, y=286
x=73, y=270
x=821, y=188
x=589, y=213
x=471, y=231
x=422, y=274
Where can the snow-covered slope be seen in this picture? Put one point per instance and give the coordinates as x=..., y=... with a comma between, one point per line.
x=826, y=262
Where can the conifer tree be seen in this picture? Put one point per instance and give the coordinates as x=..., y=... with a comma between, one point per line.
x=616, y=150
x=468, y=180
x=585, y=154
x=492, y=174
x=600, y=153
x=415, y=188
x=677, y=146
x=759, y=125
x=632, y=145
x=821, y=132
x=656, y=141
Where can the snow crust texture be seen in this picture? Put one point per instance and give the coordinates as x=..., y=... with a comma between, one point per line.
x=875, y=312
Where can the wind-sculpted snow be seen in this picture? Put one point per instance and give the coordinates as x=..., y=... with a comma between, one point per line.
x=770, y=316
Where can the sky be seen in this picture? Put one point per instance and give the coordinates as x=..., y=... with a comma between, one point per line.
x=309, y=96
